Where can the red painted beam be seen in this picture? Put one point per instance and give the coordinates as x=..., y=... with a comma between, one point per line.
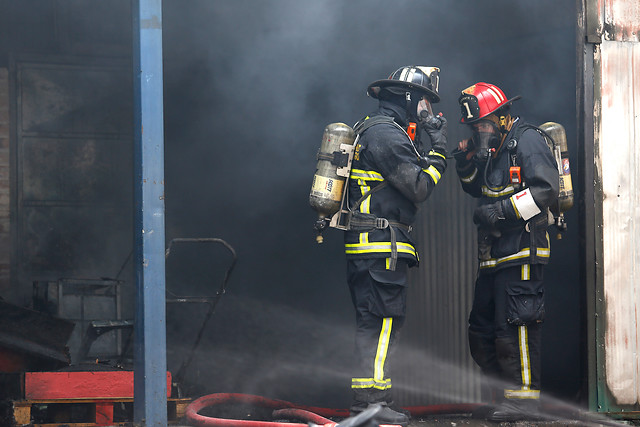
x=81, y=385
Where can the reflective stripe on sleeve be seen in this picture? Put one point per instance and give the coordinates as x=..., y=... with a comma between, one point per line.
x=469, y=178
x=433, y=173
x=509, y=189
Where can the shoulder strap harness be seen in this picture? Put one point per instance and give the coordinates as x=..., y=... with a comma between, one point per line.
x=363, y=222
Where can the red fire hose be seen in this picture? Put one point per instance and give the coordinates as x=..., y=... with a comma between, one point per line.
x=291, y=411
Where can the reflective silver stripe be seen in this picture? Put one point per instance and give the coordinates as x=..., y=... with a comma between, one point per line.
x=378, y=247
x=525, y=272
x=490, y=193
x=370, y=383
x=366, y=175
x=433, y=173
x=383, y=348
x=525, y=364
x=471, y=177
x=522, y=394
x=540, y=252
x=435, y=153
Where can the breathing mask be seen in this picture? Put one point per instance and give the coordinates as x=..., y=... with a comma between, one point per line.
x=424, y=111
x=486, y=138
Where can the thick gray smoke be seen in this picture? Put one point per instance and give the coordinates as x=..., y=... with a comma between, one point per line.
x=249, y=87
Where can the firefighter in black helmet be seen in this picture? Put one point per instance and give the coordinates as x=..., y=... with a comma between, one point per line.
x=391, y=174
x=508, y=166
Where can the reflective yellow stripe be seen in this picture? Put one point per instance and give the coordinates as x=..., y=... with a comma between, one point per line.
x=435, y=153
x=513, y=205
x=540, y=252
x=366, y=175
x=370, y=383
x=433, y=173
x=383, y=348
x=525, y=365
x=504, y=192
x=470, y=178
x=365, y=206
x=525, y=272
x=378, y=247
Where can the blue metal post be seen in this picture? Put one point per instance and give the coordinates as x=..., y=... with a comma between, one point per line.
x=150, y=356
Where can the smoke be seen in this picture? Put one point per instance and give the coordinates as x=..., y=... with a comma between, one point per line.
x=249, y=87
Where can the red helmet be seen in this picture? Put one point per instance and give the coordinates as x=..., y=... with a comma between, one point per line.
x=480, y=100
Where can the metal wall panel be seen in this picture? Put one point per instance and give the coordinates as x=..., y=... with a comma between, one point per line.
x=437, y=367
x=619, y=165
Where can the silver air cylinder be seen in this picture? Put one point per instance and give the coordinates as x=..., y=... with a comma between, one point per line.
x=561, y=153
x=332, y=171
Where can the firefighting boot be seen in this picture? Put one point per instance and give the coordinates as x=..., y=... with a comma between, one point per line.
x=365, y=398
x=385, y=415
x=515, y=410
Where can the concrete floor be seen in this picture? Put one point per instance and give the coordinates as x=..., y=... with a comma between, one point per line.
x=467, y=420
x=457, y=420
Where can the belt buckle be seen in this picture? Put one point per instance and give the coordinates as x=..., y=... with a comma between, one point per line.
x=382, y=223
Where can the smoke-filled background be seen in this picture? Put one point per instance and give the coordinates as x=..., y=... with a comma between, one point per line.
x=249, y=88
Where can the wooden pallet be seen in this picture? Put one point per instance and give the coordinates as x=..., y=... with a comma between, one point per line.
x=97, y=412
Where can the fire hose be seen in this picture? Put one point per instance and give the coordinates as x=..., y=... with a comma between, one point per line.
x=283, y=409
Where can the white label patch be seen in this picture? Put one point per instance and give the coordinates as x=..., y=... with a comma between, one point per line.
x=525, y=204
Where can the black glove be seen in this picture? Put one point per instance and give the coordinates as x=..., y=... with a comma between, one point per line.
x=488, y=214
x=436, y=128
x=492, y=213
x=439, y=162
x=460, y=156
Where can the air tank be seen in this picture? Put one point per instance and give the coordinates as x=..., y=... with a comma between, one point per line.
x=332, y=171
x=561, y=152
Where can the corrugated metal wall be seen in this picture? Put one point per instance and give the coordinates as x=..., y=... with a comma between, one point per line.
x=617, y=166
x=438, y=367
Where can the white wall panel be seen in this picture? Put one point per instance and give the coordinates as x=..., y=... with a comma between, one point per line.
x=619, y=155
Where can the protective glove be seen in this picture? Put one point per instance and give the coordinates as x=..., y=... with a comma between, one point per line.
x=436, y=128
x=490, y=214
x=460, y=156
x=439, y=162
x=463, y=155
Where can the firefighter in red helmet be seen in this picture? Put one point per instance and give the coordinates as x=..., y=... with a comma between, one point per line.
x=509, y=168
x=391, y=174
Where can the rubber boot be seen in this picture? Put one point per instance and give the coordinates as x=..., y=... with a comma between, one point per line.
x=515, y=410
x=385, y=416
x=365, y=398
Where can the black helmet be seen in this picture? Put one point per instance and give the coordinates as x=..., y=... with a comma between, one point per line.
x=412, y=78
